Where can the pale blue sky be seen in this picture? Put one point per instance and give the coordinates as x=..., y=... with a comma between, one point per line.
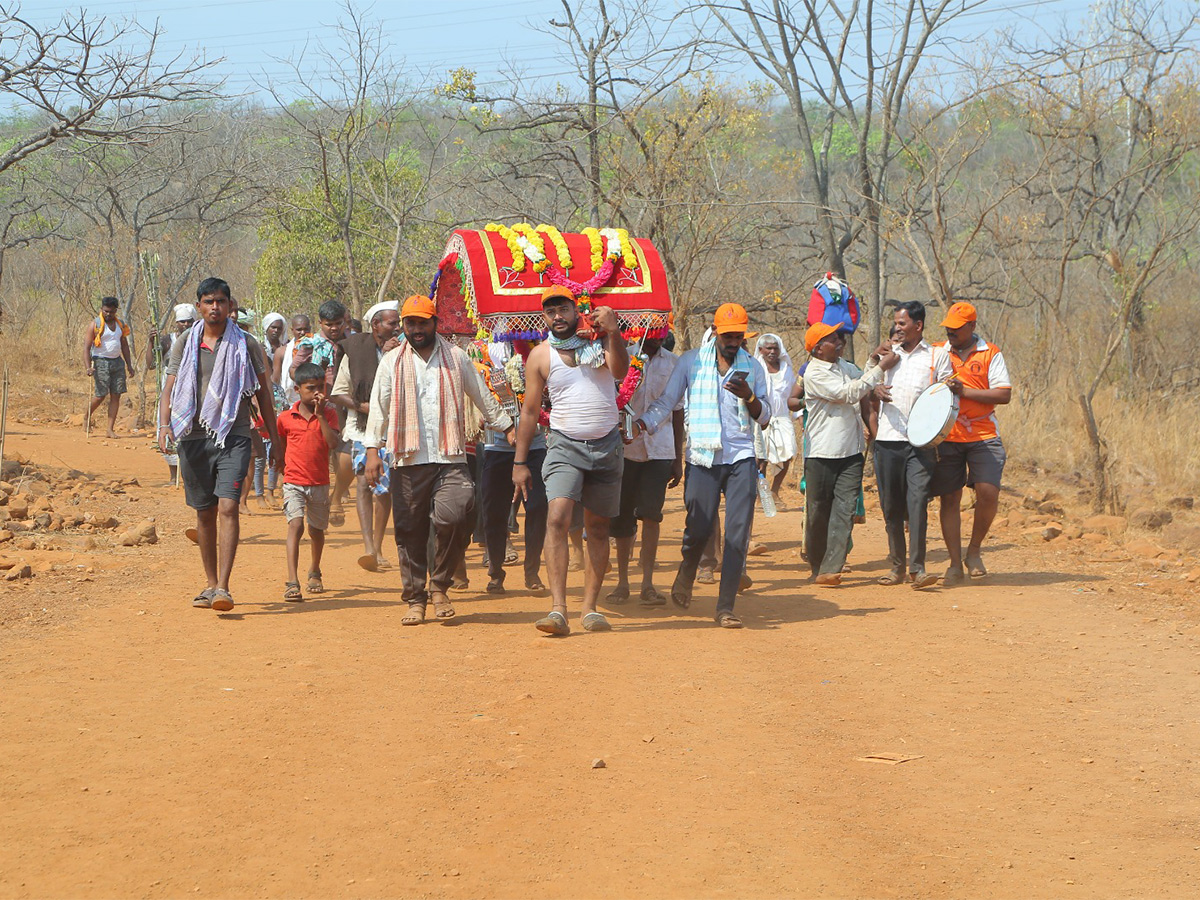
x=437, y=36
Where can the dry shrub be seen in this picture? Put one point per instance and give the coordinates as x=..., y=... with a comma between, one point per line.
x=1151, y=440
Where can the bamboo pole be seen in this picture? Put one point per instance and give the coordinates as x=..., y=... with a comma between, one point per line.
x=3, y=417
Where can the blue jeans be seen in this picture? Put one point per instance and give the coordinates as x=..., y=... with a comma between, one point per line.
x=702, y=490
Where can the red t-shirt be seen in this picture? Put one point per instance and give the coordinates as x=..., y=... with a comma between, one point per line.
x=306, y=454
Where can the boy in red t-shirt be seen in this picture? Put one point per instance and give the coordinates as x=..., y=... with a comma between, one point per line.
x=307, y=432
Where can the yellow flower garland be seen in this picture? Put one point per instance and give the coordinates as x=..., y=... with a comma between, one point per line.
x=509, y=237
x=560, y=245
x=627, y=248
x=596, y=246
x=530, y=234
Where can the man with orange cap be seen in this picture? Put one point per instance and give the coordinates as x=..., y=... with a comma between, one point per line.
x=834, y=445
x=724, y=387
x=972, y=455
x=584, y=452
x=417, y=410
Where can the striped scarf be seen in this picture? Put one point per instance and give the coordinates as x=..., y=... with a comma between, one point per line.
x=404, y=436
x=233, y=379
x=704, y=403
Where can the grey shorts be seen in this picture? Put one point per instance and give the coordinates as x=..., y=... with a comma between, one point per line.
x=211, y=473
x=585, y=471
x=108, y=376
x=309, y=501
x=967, y=463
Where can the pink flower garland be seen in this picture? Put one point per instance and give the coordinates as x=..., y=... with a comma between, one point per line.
x=629, y=384
x=586, y=288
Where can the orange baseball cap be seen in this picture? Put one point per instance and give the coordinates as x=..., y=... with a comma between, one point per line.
x=557, y=290
x=817, y=333
x=959, y=315
x=730, y=317
x=419, y=307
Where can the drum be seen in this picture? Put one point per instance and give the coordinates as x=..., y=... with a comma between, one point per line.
x=932, y=416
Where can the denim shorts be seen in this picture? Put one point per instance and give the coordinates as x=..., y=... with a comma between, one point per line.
x=211, y=473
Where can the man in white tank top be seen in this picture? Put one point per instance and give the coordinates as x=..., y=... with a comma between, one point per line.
x=106, y=358
x=584, y=455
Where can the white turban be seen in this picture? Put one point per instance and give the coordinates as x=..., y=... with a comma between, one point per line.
x=185, y=312
x=378, y=308
x=270, y=319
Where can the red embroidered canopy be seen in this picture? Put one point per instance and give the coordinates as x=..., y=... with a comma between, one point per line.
x=480, y=286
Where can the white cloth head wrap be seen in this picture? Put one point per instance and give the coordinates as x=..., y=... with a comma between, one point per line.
x=185, y=312
x=369, y=318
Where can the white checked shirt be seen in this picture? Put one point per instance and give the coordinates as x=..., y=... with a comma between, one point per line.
x=428, y=379
x=917, y=370
x=656, y=374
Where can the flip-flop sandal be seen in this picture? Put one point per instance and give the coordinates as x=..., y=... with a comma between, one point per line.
x=535, y=585
x=680, y=599
x=829, y=580
x=757, y=549
x=652, y=597
x=728, y=620
x=315, y=585
x=192, y=535
x=953, y=577
x=496, y=586
x=369, y=562
x=617, y=596
x=415, y=614
x=975, y=567
x=441, y=606
x=203, y=600
x=510, y=555
x=222, y=601
x=554, y=623
x=595, y=621
x=922, y=580
x=337, y=518
x=893, y=577
x=291, y=592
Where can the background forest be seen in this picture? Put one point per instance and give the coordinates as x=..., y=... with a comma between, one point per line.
x=1054, y=185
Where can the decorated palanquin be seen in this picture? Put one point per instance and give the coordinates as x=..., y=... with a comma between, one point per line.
x=490, y=282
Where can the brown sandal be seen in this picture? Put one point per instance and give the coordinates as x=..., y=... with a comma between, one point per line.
x=291, y=592
x=441, y=606
x=893, y=577
x=315, y=585
x=415, y=614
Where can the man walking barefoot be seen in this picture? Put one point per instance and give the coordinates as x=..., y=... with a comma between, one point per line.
x=584, y=449
x=213, y=372
x=104, y=350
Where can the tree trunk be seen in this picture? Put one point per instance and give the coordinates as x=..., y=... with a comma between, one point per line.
x=1104, y=497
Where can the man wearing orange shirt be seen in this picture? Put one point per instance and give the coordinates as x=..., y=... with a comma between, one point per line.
x=972, y=454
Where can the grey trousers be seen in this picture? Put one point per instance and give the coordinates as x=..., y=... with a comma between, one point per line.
x=831, y=489
x=903, y=474
x=437, y=497
x=702, y=498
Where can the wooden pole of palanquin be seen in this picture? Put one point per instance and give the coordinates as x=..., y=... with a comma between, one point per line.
x=150, y=275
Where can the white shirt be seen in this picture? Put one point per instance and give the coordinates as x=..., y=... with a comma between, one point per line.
x=655, y=375
x=736, y=444
x=831, y=394
x=917, y=370
x=430, y=412
x=110, y=342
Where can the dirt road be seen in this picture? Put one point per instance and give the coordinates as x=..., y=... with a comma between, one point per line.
x=155, y=750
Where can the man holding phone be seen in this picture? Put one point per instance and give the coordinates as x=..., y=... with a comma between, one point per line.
x=724, y=387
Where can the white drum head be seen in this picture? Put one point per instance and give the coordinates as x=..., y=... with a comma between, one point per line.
x=932, y=416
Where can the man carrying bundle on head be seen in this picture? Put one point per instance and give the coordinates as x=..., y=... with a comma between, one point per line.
x=903, y=472
x=725, y=388
x=834, y=445
x=211, y=376
x=584, y=456
x=972, y=455
x=418, y=413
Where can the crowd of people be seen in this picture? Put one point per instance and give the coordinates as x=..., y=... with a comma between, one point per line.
x=450, y=442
